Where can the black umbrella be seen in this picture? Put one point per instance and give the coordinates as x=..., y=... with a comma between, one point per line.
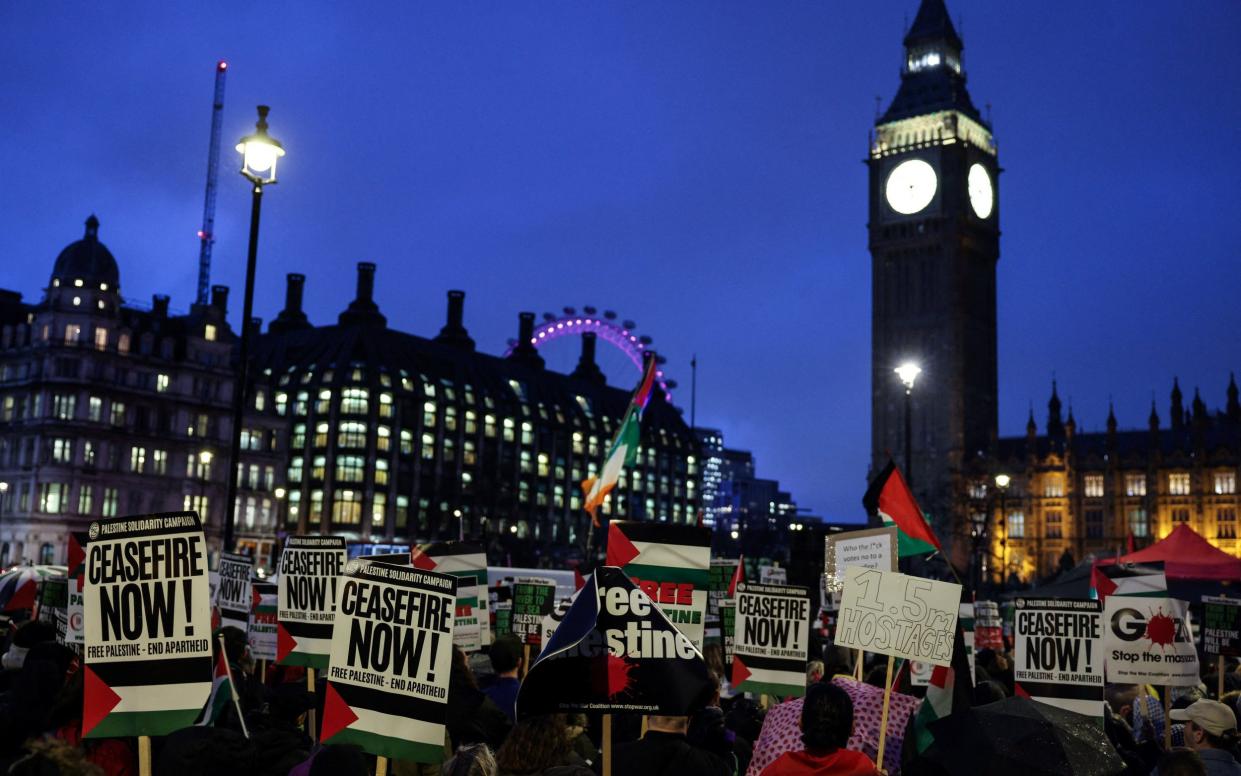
x=1018, y=736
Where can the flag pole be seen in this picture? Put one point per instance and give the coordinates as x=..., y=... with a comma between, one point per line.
x=310, y=715
x=232, y=686
x=607, y=745
x=883, y=717
x=1167, y=719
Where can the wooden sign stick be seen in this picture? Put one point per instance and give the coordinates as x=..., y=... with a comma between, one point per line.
x=381, y=766
x=1167, y=719
x=144, y=756
x=310, y=715
x=857, y=665
x=607, y=745
x=883, y=717
x=1219, y=676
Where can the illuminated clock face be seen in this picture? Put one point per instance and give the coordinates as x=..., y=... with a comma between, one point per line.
x=911, y=186
x=982, y=196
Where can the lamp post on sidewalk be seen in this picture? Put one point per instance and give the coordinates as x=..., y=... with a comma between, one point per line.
x=259, y=154
x=1002, y=481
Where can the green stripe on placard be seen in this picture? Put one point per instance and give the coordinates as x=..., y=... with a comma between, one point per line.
x=124, y=724
x=699, y=578
x=306, y=660
x=771, y=688
x=392, y=748
x=471, y=601
x=478, y=575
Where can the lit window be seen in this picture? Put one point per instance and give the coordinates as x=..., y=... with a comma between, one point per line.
x=122, y=343
x=53, y=497
x=383, y=438
x=1226, y=523
x=162, y=381
x=407, y=442
x=101, y=338
x=489, y=425
x=295, y=469
x=86, y=498
x=381, y=472
x=1054, y=525
x=1225, y=483
x=260, y=400
x=298, y=439
x=321, y=432
x=379, y=503
x=351, y=434
x=324, y=405
x=385, y=405
x=1178, y=484
x=319, y=467
x=526, y=464
x=282, y=403
x=354, y=401
x=527, y=434
x=159, y=461
x=62, y=450
x=350, y=468
x=73, y=333
x=315, y=513
x=302, y=404
x=347, y=507
x=63, y=406
x=110, y=499
x=519, y=389
x=509, y=434
x=209, y=332
x=1093, y=485
x=137, y=459
x=450, y=418
x=1135, y=485
x=428, y=414
x=428, y=446
x=1016, y=525
x=1053, y=486
x=469, y=455
x=471, y=422
x=544, y=465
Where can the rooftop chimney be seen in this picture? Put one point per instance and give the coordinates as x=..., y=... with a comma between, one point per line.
x=291, y=317
x=587, y=369
x=363, y=311
x=454, y=332
x=219, y=298
x=159, y=305
x=524, y=351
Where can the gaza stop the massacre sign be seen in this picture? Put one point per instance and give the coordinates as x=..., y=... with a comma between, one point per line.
x=146, y=601
x=1149, y=641
x=309, y=569
x=895, y=614
x=615, y=650
x=391, y=660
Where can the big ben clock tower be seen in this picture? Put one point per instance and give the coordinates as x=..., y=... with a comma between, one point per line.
x=934, y=242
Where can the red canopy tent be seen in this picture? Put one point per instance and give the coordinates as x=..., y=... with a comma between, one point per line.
x=1186, y=555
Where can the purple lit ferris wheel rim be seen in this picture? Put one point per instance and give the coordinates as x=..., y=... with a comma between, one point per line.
x=615, y=334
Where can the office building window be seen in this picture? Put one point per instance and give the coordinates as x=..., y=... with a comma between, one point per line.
x=381, y=472
x=94, y=409
x=347, y=507
x=1135, y=485
x=53, y=497
x=86, y=499
x=62, y=450
x=351, y=434
x=407, y=442
x=350, y=468
x=1092, y=484
x=1225, y=483
x=116, y=413
x=1053, y=486
x=137, y=459
x=379, y=504
x=354, y=401
x=383, y=439
x=63, y=405
x=159, y=462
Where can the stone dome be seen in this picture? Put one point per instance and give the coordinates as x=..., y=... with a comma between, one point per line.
x=89, y=261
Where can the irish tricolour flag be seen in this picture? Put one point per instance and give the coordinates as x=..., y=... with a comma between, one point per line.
x=624, y=449
x=889, y=497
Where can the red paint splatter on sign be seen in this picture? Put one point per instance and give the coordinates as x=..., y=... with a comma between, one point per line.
x=618, y=675
x=1161, y=629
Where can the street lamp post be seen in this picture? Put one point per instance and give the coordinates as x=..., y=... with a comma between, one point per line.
x=259, y=154
x=4, y=493
x=908, y=372
x=1002, y=481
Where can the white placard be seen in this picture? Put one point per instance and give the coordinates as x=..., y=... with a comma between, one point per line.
x=1149, y=641
x=1058, y=653
x=894, y=614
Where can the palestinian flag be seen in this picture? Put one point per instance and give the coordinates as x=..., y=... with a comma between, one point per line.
x=143, y=698
x=671, y=563
x=468, y=563
x=951, y=689
x=889, y=498
x=1145, y=580
x=222, y=692
x=624, y=449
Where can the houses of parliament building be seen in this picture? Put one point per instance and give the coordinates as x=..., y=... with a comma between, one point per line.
x=934, y=202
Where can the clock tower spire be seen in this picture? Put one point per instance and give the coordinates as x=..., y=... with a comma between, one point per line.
x=934, y=243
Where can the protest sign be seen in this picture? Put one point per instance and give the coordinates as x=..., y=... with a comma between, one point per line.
x=872, y=548
x=553, y=620
x=1058, y=653
x=965, y=617
x=263, y=627
x=728, y=627
x=391, y=659
x=724, y=575
x=502, y=618
x=53, y=604
x=1149, y=641
x=1221, y=626
x=533, y=599
x=147, y=625
x=771, y=635
x=232, y=597
x=672, y=565
x=309, y=569
x=920, y=673
x=615, y=650
x=899, y=615
x=988, y=627
x=74, y=616
x=772, y=575
x=468, y=563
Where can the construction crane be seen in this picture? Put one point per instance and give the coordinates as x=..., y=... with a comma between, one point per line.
x=206, y=235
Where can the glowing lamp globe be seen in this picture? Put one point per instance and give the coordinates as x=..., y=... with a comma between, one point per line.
x=260, y=152
x=908, y=373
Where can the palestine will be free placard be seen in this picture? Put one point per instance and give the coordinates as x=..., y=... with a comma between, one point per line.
x=146, y=602
x=391, y=661
x=309, y=569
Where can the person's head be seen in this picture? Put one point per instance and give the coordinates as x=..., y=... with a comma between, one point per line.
x=472, y=760
x=534, y=744
x=665, y=724
x=505, y=654
x=1208, y=725
x=461, y=672
x=837, y=660
x=1180, y=761
x=826, y=717
x=814, y=671
x=236, y=646
x=714, y=655
x=988, y=692
x=1120, y=698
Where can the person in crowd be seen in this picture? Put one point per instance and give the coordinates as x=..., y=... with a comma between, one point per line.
x=472, y=717
x=826, y=725
x=473, y=760
x=1211, y=731
x=539, y=746
x=54, y=756
x=506, y=660
x=814, y=671
x=1180, y=761
x=666, y=748
x=989, y=691
x=576, y=726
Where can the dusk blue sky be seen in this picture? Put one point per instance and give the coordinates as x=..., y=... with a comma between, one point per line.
x=695, y=166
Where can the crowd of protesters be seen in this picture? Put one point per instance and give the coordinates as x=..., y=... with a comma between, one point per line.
x=833, y=729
